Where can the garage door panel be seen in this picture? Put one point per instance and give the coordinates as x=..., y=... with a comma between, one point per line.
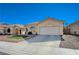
x=49, y=30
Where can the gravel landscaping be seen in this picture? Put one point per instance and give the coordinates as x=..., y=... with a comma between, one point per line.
x=70, y=41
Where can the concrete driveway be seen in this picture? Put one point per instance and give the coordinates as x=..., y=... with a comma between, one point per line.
x=45, y=40
x=49, y=46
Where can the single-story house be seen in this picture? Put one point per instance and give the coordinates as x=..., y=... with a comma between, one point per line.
x=49, y=26
x=74, y=28
x=6, y=28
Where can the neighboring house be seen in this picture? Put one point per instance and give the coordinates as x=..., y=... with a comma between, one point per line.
x=74, y=28
x=15, y=29
x=49, y=26
x=6, y=29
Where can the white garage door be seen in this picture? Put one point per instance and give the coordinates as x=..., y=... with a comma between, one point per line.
x=49, y=30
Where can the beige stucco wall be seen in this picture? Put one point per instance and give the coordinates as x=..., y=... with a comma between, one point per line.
x=74, y=29
x=11, y=30
x=2, y=30
x=52, y=23
x=34, y=31
x=61, y=30
x=18, y=29
x=46, y=23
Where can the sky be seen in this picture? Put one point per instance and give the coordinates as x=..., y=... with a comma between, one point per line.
x=25, y=13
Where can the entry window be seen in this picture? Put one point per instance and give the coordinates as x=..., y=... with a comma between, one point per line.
x=32, y=27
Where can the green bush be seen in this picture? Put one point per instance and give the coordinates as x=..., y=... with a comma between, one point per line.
x=16, y=37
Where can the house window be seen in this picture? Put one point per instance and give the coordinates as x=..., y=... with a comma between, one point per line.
x=32, y=27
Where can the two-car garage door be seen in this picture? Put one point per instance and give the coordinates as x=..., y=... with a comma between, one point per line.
x=49, y=30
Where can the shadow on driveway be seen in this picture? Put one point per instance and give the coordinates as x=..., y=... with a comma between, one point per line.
x=44, y=38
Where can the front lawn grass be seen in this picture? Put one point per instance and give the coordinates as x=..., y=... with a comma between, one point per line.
x=15, y=37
